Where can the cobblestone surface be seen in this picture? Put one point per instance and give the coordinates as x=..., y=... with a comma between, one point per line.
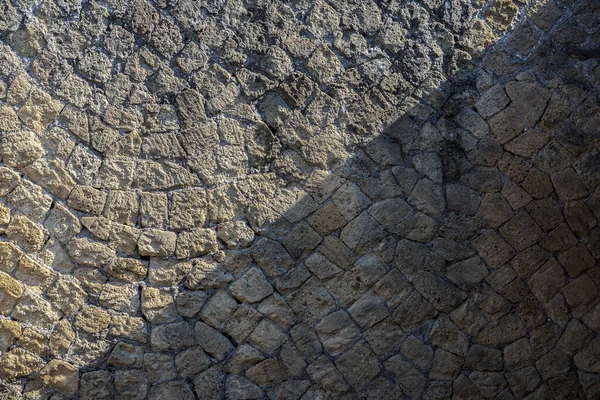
x=252, y=199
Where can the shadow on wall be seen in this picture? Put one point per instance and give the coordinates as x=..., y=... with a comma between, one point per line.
x=468, y=228
x=458, y=248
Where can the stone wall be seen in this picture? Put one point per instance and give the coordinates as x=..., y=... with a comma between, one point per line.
x=304, y=200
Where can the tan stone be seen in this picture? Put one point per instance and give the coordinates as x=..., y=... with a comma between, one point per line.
x=34, y=342
x=168, y=272
x=31, y=273
x=8, y=119
x=92, y=319
x=67, y=295
x=62, y=223
x=36, y=311
x=85, y=252
x=9, y=179
x=60, y=375
x=4, y=215
x=19, y=89
x=20, y=148
x=39, y=110
x=61, y=338
x=87, y=199
x=501, y=14
x=478, y=37
x=122, y=207
x=9, y=256
x=133, y=328
x=120, y=297
x=188, y=209
x=9, y=332
x=10, y=292
x=126, y=269
x=29, y=199
x=153, y=210
x=124, y=238
x=100, y=227
x=157, y=243
x=196, y=243
x=17, y=363
x=158, y=306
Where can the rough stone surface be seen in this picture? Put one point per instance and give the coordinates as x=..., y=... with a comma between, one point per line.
x=299, y=200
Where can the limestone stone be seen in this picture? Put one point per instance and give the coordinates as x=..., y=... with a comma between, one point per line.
x=158, y=306
x=29, y=199
x=133, y=328
x=39, y=110
x=188, y=209
x=121, y=297
x=36, y=311
x=153, y=210
x=521, y=231
x=122, y=207
x=157, y=243
x=503, y=331
x=62, y=223
x=34, y=275
x=95, y=385
x=493, y=249
x=87, y=199
x=29, y=235
x=576, y=260
x=547, y=281
x=9, y=256
x=92, y=319
x=579, y=292
x=368, y=310
x=559, y=240
x=196, y=243
x=192, y=361
x=235, y=234
x=327, y=376
x=10, y=294
x=311, y=301
x=530, y=98
x=207, y=383
x=346, y=364
x=167, y=272
x=21, y=148
x=468, y=273
x=494, y=210
x=125, y=356
x=251, y=287
x=9, y=180
x=10, y=331
x=87, y=253
x=527, y=144
x=18, y=363
x=580, y=218
x=410, y=379
x=62, y=376
x=207, y=274
x=427, y=197
x=126, y=269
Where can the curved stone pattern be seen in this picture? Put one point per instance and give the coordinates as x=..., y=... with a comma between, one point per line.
x=252, y=199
